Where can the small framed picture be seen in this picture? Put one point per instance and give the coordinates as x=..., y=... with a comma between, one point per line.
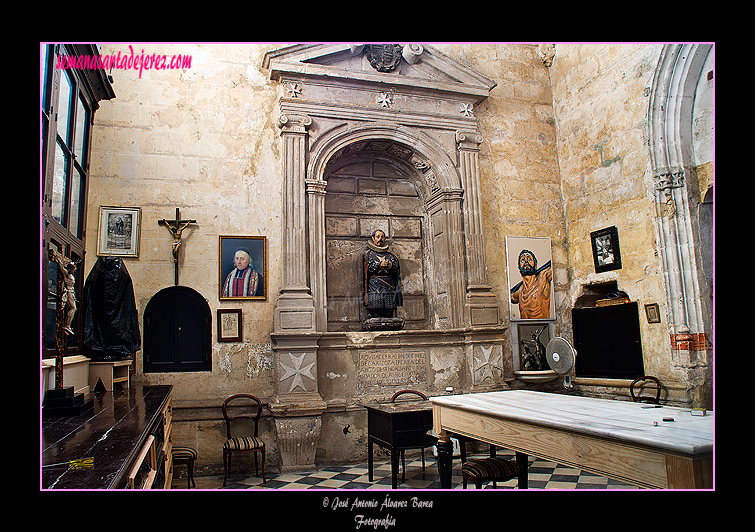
x=229, y=325
x=118, y=231
x=653, y=313
x=533, y=337
x=605, y=249
x=242, y=267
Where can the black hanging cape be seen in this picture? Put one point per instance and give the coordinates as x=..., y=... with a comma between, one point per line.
x=111, y=324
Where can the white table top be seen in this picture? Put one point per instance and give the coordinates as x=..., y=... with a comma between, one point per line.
x=617, y=420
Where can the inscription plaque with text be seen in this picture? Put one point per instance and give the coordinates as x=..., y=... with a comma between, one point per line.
x=391, y=369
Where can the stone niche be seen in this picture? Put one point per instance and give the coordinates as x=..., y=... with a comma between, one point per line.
x=368, y=190
x=378, y=136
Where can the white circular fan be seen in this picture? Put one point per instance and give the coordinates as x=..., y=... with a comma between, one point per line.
x=560, y=355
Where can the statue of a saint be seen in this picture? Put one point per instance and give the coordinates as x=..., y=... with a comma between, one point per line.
x=382, y=282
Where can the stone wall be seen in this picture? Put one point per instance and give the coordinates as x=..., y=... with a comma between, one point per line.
x=600, y=99
x=200, y=139
x=563, y=154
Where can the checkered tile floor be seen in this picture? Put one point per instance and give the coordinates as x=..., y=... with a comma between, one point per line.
x=542, y=475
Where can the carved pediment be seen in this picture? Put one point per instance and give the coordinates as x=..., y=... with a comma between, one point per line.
x=410, y=67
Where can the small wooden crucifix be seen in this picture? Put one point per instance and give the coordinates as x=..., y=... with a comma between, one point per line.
x=176, y=227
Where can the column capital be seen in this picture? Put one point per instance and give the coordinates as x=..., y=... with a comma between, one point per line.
x=294, y=123
x=315, y=186
x=667, y=179
x=468, y=140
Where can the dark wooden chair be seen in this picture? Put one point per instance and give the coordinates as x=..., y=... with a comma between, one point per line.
x=186, y=455
x=429, y=439
x=637, y=388
x=242, y=444
x=478, y=471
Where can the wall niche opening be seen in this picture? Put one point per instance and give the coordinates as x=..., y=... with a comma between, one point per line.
x=368, y=191
x=606, y=328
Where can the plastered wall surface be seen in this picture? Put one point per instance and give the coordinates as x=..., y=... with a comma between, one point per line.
x=563, y=154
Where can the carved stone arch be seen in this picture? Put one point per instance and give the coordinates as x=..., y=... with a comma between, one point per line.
x=440, y=194
x=431, y=159
x=677, y=197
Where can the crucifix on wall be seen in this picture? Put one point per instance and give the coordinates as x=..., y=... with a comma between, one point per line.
x=176, y=227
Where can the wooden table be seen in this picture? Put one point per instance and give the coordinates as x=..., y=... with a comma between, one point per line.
x=397, y=427
x=623, y=440
x=113, y=433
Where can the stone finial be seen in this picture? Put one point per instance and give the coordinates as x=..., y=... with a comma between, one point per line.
x=547, y=52
x=411, y=52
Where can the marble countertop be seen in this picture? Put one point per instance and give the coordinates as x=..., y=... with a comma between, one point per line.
x=626, y=421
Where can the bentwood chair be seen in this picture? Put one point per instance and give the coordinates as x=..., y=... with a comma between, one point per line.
x=638, y=386
x=245, y=408
x=428, y=441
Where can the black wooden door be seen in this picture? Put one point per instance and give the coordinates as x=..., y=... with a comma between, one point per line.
x=177, y=331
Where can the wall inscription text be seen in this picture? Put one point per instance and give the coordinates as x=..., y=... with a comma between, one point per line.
x=389, y=369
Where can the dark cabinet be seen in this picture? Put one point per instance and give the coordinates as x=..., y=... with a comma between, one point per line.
x=607, y=341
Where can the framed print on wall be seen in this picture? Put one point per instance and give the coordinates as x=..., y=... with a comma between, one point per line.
x=530, y=277
x=242, y=267
x=605, y=249
x=653, y=313
x=118, y=231
x=229, y=325
x=533, y=337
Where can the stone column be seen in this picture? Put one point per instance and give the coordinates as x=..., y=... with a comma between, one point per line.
x=481, y=304
x=297, y=406
x=316, y=211
x=295, y=309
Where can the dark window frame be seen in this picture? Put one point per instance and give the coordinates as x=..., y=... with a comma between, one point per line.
x=88, y=87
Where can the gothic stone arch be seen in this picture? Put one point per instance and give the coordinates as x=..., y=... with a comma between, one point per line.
x=677, y=198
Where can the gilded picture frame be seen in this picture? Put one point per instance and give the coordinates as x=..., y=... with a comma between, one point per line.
x=242, y=267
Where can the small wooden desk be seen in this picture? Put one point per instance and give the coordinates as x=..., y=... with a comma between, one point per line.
x=397, y=427
x=615, y=439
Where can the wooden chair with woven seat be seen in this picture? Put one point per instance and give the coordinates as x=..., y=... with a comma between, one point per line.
x=242, y=444
x=493, y=469
x=637, y=387
x=428, y=440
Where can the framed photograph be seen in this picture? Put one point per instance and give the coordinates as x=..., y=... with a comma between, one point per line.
x=605, y=249
x=118, y=231
x=229, y=325
x=653, y=313
x=242, y=267
x=530, y=277
x=533, y=337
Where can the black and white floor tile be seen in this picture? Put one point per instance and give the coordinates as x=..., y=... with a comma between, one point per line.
x=542, y=475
